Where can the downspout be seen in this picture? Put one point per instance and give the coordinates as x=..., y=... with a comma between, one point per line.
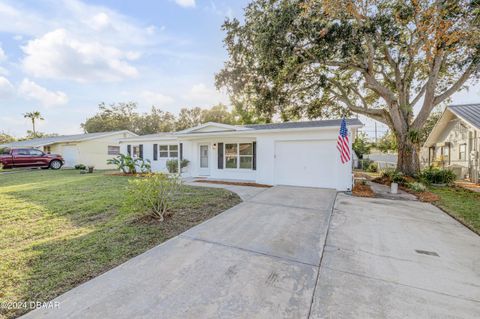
x=178, y=160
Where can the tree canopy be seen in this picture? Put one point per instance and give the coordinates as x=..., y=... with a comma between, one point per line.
x=124, y=116
x=379, y=58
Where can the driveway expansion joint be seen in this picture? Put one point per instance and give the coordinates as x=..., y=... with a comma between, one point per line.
x=248, y=250
x=400, y=284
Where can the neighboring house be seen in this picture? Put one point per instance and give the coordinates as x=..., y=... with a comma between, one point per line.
x=455, y=141
x=88, y=149
x=291, y=153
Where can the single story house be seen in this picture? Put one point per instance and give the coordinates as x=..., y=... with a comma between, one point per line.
x=291, y=153
x=88, y=149
x=454, y=142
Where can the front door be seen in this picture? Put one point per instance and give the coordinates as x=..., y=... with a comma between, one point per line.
x=204, y=160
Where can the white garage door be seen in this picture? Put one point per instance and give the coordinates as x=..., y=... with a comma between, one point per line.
x=306, y=163
x=70, y=155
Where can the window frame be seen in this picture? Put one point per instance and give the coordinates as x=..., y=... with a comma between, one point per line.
x=168, y=151
x=135, y=154
x=464, y=158
x=116, y=147
x=238, y=156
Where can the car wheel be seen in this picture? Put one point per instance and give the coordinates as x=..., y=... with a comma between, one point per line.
x=55, y=164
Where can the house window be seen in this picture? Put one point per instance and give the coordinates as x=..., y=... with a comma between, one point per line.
x=136, y=151
x=167, y=151
x=238, y=155
x=462, y=154
x=47, y=149
x=113, y=150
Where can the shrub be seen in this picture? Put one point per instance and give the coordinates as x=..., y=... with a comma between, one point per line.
x=372, y=168
x=365, y=163
x=153, y=193
x=417, y=187
x=388, y=173
x=435, y=175
x=128, y=164
x=80, y=166
x=172, y=165
x=398, y=178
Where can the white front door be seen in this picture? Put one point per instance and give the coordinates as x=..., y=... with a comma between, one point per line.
x=70, y=155
x=204, y=160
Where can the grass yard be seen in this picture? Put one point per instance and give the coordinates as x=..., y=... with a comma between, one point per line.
x=460, y=203
x=60, y=228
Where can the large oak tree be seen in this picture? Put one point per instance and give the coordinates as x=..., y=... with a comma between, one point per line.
x=379, y=58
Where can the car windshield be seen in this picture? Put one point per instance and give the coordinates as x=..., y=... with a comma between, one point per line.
x=4, y=151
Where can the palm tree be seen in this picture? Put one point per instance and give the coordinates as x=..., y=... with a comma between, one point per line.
x=34, y=115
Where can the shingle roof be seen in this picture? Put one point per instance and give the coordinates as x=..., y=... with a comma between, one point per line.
x=36, y=142
x=304, y=124
x=468, y=112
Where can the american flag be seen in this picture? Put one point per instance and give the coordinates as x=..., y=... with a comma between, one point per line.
x=342, y=143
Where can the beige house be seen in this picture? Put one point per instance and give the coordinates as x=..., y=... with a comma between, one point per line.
x=92, y=149
x=454, y=142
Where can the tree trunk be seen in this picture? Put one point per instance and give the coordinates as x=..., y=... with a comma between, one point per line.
x=408, y=157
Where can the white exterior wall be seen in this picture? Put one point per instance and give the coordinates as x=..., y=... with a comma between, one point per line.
x=266, y=144
x=333, y=174
x=158, y=165
x=191, y=152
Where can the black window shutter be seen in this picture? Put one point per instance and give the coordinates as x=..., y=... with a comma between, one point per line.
x=254, y=164
x=129, y=150
x=140, y=151
x=155, y=152
x=181, y=151
x=220, y=155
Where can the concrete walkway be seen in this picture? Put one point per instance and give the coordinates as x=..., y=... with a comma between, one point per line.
x=283, y=254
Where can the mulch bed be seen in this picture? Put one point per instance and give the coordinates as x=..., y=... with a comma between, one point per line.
x=232, y=183
x=361, y=190
x=426, y=197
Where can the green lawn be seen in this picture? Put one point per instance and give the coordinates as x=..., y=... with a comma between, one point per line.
x=460, y=203
x=60, y=228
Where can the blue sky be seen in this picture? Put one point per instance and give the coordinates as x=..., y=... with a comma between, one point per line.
x=63, y=57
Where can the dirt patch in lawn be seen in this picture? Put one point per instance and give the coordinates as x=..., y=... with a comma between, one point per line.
x=232, y=183
x=361, y=190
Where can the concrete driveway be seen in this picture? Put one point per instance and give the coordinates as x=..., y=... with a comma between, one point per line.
x=287, y=253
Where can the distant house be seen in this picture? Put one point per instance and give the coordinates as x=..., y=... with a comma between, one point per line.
x=291, y=153
x=88, y=149
x=455, y=142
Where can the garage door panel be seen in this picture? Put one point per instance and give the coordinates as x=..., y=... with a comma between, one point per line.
x=306, y=163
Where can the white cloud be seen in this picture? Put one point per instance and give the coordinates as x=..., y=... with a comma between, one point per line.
x=32, y=91
x=151, y=98
x=3, y=56
x=6, y=88
x=185, y=3
x=204, y=95
x=60, y=55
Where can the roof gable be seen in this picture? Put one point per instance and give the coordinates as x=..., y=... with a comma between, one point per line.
x=469, y=113
x=211, y=127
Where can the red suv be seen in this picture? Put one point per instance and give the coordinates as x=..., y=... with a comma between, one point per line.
x=29, y=157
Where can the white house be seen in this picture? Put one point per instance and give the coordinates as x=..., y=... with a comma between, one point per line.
x=88, y=149
x=291, y=153
x=454, y=142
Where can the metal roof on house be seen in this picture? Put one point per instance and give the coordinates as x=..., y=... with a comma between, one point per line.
x=468, y=112
x=303, y=124
x=37, y=142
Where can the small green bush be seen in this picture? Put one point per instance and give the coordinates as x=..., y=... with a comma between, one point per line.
x=80, y=166
x=365, y=163
x=372, y=168
x=417, y=187
x=388, y=173
x=128, y=164
x=398, y=178
x=172, y=165
x=153, y=194
x=435, y=175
